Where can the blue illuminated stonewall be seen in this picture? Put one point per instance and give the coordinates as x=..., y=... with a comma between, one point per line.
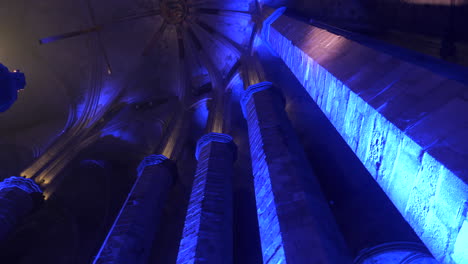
x=404, y=123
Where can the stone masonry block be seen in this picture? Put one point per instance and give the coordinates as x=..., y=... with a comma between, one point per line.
x=375, y=146
x=460, y=253
x=451, y=198
x=436, y=236
x=404, y=174
x=390, y=153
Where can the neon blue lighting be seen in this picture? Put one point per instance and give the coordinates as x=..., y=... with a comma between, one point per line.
x=27, y=185
x=10, y=84
x=201, y=113
x=120, y=134
x=107, y=96
x=432, y=199
x=267, y=25
x=270, y=232
x=80, y=108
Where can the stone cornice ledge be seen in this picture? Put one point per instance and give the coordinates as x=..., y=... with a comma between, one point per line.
x=149, y=161
x=214, y=137
x=251, y=91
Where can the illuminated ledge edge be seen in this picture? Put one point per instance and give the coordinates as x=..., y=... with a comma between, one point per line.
x=213, y=137
x=27, y=185
x=149, y=161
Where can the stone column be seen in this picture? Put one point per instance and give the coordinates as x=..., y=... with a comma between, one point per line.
x=207, y=235
x=18, y=196
x=131, y=236
x=398, y=253
x=364, y=214
x=296, y=225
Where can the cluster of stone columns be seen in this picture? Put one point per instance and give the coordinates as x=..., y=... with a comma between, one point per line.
x=296, y=225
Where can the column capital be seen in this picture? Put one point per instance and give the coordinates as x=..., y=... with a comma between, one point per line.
x=214, y=137
x=253, y=89
x=256, y=88
x=271, y=16
x=150, y=161
x=25, y=184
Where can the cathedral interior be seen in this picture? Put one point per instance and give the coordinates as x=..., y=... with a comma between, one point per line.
x=234, y=131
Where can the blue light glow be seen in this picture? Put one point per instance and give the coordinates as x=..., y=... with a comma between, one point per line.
x=106, y=96
x=201, y=113
x=431, y=198
x=10, y=84
x=27, y=185
x=121, y=134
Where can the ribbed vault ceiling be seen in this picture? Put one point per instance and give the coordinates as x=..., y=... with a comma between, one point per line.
x=79, y=56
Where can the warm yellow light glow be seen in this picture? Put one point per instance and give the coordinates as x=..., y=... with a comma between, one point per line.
x=169, y=148
x=48, y=193
x=254, y=72
x=217, y=124
x=170, y=145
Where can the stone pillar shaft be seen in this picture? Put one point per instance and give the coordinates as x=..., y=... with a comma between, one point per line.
x=296, y=225
x=207, y=235
x=17, y=198
x=130, y=238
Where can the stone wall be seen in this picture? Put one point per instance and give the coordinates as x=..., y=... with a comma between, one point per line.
x=405, y=123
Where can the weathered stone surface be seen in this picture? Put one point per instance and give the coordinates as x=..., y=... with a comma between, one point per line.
x=365, y=215
x=404, y=123
x=130, y=237
x=295, y=222
x=459, y=252
x=207, y=235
